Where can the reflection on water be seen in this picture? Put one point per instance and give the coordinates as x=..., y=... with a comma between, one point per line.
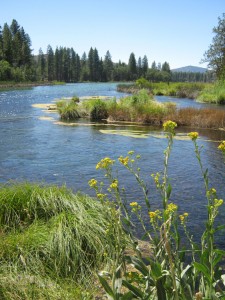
x=34, y=148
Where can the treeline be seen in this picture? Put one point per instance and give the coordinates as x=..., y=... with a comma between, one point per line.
x=63, y=64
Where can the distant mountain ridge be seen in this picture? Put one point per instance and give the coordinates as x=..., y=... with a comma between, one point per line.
x=190, y=69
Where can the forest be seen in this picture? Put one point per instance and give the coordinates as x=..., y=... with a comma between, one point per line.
x=18, y=64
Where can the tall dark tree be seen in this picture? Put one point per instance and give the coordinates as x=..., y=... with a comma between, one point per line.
x=7, y=44
x=41, y=65
x=139, y=67
x=50, y=63
x=108, y=67
x=215, y=56
x=144, y=65
x=1, y=44
x=132, y=66
x=91, y=64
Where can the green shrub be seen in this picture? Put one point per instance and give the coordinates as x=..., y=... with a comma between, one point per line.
x=96, y=109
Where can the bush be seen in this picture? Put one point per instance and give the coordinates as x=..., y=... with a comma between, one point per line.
x=96, y=109
x=68, y=110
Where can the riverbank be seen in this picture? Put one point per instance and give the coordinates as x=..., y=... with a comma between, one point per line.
x=25, y=85
x=204, y=92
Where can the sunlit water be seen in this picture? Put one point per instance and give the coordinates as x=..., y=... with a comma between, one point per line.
x=34, y=148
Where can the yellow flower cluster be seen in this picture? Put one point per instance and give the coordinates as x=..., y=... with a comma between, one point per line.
x=154, y=215
x=171, y=208
x=222, y=146
x=105, y=163
x=169, y=126
x=114, y=184
x=133, y=204
x=156, y=178
x=183, y=217
x=193, y=135
x=124, y=160
x=92, y=183
x=101, y=196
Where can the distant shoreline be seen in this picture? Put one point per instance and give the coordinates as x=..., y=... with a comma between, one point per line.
x=21, y=85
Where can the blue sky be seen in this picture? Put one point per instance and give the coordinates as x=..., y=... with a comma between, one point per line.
x=176, y=31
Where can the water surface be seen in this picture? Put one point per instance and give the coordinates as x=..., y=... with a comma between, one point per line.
x=34, y=148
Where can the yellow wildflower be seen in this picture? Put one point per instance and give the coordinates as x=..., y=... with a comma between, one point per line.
x=169, y=126
x=183, y=217
x=222, y=146
x=124, y=160
x=131, y=152
x=171, y=208
x=101, y=196
x=114, y=184
x=193, y=135
x=93, y=182
x=105, y=163
x=154, y=215
x=133, y=204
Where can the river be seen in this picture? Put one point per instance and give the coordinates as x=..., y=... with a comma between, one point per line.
x=34, y=147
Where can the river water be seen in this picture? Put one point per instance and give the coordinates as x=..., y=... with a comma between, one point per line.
x=34, y=147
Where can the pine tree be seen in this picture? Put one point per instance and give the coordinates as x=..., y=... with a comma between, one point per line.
x=50, y=63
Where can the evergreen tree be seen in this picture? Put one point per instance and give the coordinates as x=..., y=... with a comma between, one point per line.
x=50, y=63
x=108, y=67
x=91, y=64
x=41, y=65
x=139, y=67
x=7, y=44
x=215, y=56
x=132, y=67
x=144, y=65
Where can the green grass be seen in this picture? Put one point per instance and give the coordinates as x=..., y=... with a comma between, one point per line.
x=68, y=110
x=52, y=241
x=214, y=94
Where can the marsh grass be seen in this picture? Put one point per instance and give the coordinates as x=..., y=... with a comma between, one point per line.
x=199, y=118
x=50, y=236
x=214, y=94
x=68, y=110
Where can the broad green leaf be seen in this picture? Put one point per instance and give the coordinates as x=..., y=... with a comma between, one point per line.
x=127, y=296
x=161, y=292
x=106, y=287
x=136, y=291
x=139, y=265
x=203, y=269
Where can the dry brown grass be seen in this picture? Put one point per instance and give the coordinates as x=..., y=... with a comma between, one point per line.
x=199, y=118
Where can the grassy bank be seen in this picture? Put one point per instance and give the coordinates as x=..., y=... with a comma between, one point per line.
x=52, y=242
x=140, y=108
x=205, y=92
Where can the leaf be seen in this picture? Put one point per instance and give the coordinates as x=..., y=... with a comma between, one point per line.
x=203, y=269
x=156, y=270
x=139, y=265
x=168, y=190
x=136, y=291
x=185, y=270
x=106, y=287
x=161, y=292
x=127, y=296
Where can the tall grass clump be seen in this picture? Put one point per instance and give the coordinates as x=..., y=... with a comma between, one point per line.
x=95, y=109
x=214, y=94
x=51, y=237
x=68, y=110
x=178, y=265
x=140, y=107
